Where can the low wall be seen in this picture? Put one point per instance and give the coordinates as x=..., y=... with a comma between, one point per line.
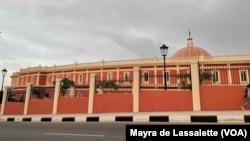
x=40, y=106
x=14, y=108
x=114, y=102
x=221, y=97
x=160, y=100
x=70, y=105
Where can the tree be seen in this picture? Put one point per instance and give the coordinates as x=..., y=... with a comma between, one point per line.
x=204, y=77
x=65, y=84
x=183, y=84
x=107, y=84
x=36, y=92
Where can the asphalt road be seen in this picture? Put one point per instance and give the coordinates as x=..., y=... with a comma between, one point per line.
x=68, y=131
x=14, y=131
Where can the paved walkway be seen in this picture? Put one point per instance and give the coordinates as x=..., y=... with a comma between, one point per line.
x=236, y=116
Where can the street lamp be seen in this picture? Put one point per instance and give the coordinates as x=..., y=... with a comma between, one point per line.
x=164, y=51
x=4, y=72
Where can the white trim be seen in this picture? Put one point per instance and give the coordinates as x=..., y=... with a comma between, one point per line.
x=124, y=76
x=246, y=73
x=218, y=76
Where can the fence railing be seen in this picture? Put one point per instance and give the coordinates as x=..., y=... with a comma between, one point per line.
x=114, y=86
x=157, y=81
x=224, y=74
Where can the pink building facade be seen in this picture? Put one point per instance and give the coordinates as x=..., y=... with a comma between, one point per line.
x=141, y=85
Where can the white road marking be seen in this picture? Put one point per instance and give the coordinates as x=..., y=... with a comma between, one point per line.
x=67, y=134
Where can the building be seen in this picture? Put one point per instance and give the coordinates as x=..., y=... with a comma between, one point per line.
x=141, y=85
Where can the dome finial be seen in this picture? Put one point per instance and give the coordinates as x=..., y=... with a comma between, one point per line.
x=189, y=40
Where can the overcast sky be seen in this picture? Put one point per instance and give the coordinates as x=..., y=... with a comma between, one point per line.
x=58, y=32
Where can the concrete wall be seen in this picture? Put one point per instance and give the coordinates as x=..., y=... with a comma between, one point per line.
x=221, y=97
x=13, y=108
x=212, y=98
x=109, y=103
x=70, y=105
x=159, y=100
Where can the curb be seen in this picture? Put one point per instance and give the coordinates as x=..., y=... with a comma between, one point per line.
x=133, y=118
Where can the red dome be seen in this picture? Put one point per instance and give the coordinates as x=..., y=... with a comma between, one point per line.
x=190, y=51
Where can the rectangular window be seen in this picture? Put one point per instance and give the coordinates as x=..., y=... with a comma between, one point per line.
x=189, y=75
x=167, y=76
x=126, y=77
x=23, y=81
x=215, y=76
x=145, y=76
x=80, y=79
x=109, y=76
x=48, y=80
x=32, y=80
x=243, y=75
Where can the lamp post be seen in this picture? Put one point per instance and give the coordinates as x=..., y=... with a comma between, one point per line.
x=164, y=51
x=4, y=72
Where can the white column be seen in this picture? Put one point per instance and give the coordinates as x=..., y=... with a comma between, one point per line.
x=38, y=78
x=56, y=95
x=195, y=86
x=27, y=98
x=229, y=74
x=155, y=77
x=4, y=99
x=136, y=88
x=117, y=75
x=91, y=93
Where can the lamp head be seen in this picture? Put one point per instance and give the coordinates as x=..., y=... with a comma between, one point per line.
x=164, y=50
x=4, y=72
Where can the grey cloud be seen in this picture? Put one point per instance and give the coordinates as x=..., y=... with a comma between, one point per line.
x=51, y=32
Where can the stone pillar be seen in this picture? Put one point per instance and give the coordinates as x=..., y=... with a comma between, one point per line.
x=136, y=89
x=27, y=98
x=72, y=91
x=4, y=99
x=56, y=95
x=229, y=74
x=91, y=93
x=195, y=85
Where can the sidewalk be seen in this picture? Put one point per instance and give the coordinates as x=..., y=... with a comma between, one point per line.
x=237, y=116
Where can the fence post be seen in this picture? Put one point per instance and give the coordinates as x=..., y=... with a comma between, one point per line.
x=27, y=98
x=136, y=88
x=195, y=85
x=4, y=97
x=56, y=95
x=91, y=93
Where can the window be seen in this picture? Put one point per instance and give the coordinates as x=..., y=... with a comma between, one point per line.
x=80, y=79
x=109, y=76
x=126, y=77
x=145, y=76
x=167, y=76
x=32, y=80
x=189, y=74
x=22, y=81
x=243, y=75
x=48, y=80
x=215, y=76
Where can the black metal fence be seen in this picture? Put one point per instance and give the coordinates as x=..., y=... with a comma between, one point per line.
x=15, y=95
x=113, y=86
x=225, y=74
x=174, y=81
